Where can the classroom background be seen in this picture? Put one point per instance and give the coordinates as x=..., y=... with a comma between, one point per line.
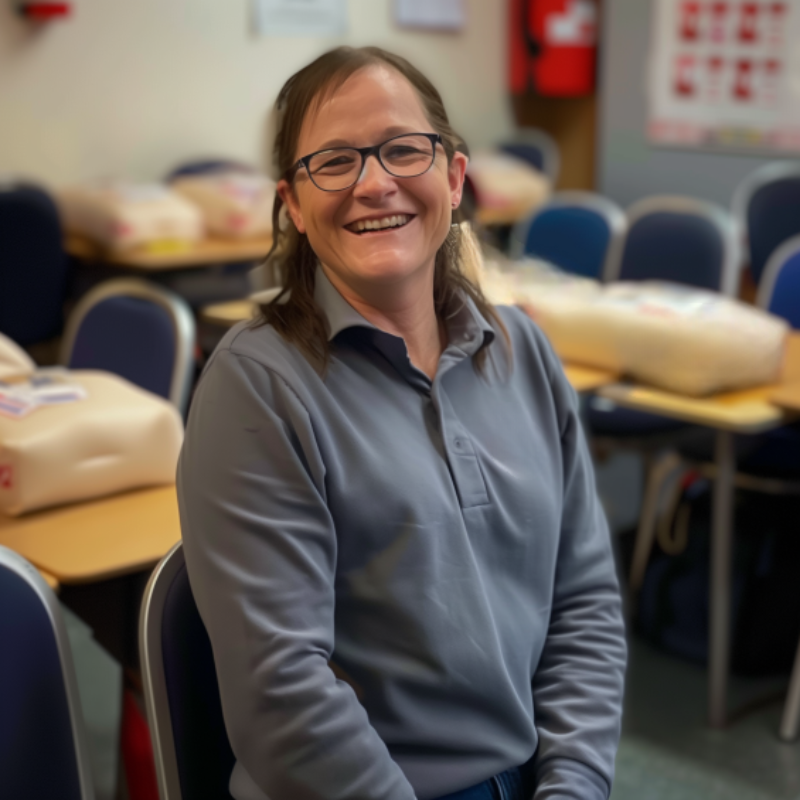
x=634, y=184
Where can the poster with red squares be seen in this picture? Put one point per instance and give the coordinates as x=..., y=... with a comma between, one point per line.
x=725, y=74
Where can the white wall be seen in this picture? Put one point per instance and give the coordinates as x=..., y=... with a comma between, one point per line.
x=131, y=87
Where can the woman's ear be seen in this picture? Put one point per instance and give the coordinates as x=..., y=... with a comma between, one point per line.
x=286, y=193
x=455, y=175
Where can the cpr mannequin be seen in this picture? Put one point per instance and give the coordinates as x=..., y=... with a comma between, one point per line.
x=234, y=205
x=675, y=337
x=117, y=437
x=121, y=216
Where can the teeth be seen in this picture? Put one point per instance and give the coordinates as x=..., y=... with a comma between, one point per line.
x=379, y=224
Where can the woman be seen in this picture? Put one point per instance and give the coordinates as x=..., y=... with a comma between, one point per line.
x=388, y=509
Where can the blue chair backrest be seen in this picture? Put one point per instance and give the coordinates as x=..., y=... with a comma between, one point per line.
x=573, y=238
x=526, y=152
x=679, y=246
x=202, y=750
x=131, y=337
x=780, y=289
x=39, y=755
x=773, y=216
x=33, y=266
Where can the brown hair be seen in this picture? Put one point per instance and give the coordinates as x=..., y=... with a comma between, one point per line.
x=291, y=261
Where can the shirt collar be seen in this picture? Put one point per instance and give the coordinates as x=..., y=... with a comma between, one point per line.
x=339, y=314
x=467, y=329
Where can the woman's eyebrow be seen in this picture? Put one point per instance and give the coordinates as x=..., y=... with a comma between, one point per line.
x=388, y=133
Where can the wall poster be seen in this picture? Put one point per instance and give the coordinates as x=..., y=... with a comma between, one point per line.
x=725, y=74
x=298, y=17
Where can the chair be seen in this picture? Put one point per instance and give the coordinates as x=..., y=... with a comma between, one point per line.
x=765, y=207
x=778, y=452
x=770, y=463
x=137, y=330
x=680, y=239
x=192, y=754
x=581, y=232
x=779, y=290
x=677, y=239
x=537, y=148
x=43, y=750
x=33, y=265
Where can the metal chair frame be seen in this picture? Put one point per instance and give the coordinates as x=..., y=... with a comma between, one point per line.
x=13, y=562
x=153, y=678
x=180, y=314
x=790, y=722
x=711, y=212
x=610, y=212
x=551, y=161
x=758, y=178
x=772, y=270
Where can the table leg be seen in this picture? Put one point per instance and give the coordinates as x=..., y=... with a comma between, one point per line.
x=721, y=565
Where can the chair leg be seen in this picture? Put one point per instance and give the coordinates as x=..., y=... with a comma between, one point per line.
x=658, y=473
x=791, y=711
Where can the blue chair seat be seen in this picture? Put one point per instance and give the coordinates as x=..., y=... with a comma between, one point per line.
x=776, y=454
x=43, y=750
x=607, y=419
x=193, y=754
x=203, y=752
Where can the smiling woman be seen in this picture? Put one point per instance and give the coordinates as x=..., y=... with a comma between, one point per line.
x=355, y=126
x=390, y=525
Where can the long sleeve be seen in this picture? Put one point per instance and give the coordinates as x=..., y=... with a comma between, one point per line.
x=261, y=551
x=578, y=685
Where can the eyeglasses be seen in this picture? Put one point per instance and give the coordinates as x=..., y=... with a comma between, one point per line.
x=339, y=168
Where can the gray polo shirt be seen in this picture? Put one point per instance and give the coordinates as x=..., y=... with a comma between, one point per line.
x=440, y=541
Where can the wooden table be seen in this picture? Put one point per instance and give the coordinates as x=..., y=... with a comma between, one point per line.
x=588, y=379
x=50, y=580
x=505, y=215
x=97, y=539
x=787, y=397
x=746, y=412
x=206, y=252
x=228, y=314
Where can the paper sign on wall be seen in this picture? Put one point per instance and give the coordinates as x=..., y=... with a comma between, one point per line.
x=725, y=74
x=299, y=17
x=443, y=15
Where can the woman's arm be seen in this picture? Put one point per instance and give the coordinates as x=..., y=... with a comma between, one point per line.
x=261, y=552
x=578, y=685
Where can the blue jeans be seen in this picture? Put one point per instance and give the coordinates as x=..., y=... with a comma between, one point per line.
x=508, y=785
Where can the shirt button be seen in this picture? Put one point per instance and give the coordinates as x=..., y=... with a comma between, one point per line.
x=457, y=444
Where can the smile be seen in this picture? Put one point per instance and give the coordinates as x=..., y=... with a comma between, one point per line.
x=382, y=224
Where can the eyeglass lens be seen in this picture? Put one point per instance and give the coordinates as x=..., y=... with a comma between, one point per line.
x=403, y=157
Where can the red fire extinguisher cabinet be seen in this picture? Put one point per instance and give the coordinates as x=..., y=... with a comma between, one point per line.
x=553, y=47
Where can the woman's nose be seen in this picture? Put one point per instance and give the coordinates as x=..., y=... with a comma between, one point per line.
x=374, y=180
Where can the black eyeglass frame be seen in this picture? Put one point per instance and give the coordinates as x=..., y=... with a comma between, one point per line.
x=365, y=153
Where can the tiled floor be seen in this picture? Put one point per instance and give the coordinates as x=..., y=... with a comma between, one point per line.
x=669, y=753
x=99, y=680
x=667, y=750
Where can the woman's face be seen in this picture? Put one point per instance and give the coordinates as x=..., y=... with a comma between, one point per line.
x=373, y=105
